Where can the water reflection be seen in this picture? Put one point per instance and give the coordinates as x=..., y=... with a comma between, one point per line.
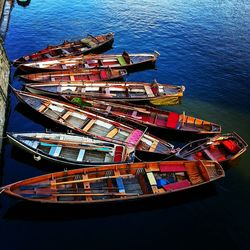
x=24, y=210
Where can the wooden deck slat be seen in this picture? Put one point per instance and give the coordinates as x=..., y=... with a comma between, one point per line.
x=153, y=146
x=89, y=125
x=112, y=133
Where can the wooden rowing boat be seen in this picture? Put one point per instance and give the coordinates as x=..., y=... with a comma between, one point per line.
x=149, y=116
x=71, y=149
x=117, y=61
x=222, y=148
x=86, y=45
x=96, y=126
x=163, y=94
x=115, y=183
x=76, y=76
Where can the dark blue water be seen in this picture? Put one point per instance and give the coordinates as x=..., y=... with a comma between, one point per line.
x=204, y=45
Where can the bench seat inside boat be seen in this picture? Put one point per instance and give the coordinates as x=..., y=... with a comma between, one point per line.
x=122, y=61
x=177, y=185
x=165, y=168
x=172, y=121
x=231, y=146
x=120, y=185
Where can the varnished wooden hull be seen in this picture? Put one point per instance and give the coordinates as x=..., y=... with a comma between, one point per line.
x=112, y=91
x=76, y=49
x=71, y=77
x=157, y=120
x=119, y=183
x=78, y=63
x=94, y=125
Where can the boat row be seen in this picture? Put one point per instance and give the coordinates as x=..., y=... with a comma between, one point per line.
x=119, y=144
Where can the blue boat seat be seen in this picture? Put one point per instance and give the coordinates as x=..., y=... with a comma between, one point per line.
x=120, y=185
x=55, y=151
x=32, y=144
x=80, y=155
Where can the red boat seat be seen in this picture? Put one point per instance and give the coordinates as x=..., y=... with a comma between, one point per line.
x=173, y=119
x=118, y=153
x=177, y=185
x=231, y=146
x=103, y=74
x=167, y=167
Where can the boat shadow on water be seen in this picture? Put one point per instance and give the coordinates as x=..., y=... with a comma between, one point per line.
x=28, y=211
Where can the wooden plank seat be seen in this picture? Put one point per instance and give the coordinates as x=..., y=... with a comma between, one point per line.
x=149, y=91
x=153, y=146
x=151, y=178
x=112, y=133
x=66, y=115
x=72, y=78
x=177, y=185
x=89, y=125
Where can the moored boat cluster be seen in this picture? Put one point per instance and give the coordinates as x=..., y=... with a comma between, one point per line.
x=120, y=146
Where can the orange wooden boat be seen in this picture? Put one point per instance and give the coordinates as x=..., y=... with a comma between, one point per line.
x=118, y=61
x=90, y=44
x=115, y=183
x=76, y=76
x=223, y=148
x=97, y=126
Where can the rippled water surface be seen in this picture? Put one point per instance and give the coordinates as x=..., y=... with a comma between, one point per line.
x=204, y=45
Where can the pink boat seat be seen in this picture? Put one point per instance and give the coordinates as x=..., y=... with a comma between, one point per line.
x=177, y=185
x=135, y=136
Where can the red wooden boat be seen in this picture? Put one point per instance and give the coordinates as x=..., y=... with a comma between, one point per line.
x=149, y=116
x=90, y=44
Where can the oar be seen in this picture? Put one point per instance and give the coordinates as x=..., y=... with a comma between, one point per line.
x=97, y=194
x=194, y=150
x=89, y=180
x=78, y=146
x=39, y=196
